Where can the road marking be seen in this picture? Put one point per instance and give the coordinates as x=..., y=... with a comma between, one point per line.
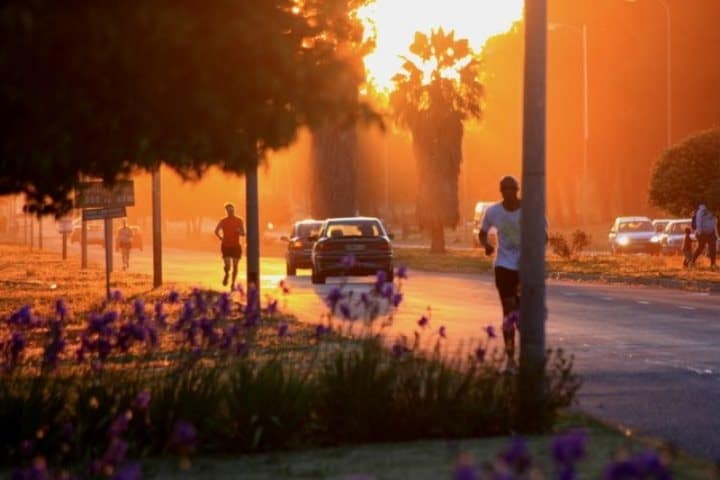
x=570, y=294
x=643, y=302
x=608, y=299
x=685, y=307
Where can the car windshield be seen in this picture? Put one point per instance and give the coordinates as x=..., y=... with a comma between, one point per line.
x=358, y=228
x=305, y=230
x=660, y=226
x=638, y=226
x=678, y=227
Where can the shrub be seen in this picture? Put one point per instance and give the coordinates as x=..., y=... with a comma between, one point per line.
x=564, y=249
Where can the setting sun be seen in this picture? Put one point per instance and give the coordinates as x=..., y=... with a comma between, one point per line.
x=394, y=23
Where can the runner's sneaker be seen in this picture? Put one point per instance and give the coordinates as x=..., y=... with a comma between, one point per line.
x=225, y=279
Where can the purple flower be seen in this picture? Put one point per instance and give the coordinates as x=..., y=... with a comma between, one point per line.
x=465, y=471
x=480, y=354
x=184, y=436
x=569, y=448
x=401, y=272
x=116, y=296
x=283, y=330
x=380, y=280
x=345, y=311
x=142, y=400
x=517, y=455
x=224, y=305
x=424, y=321
x=490, y=331
x=173, y=296
x=332, y=298
x=399, y=349
x=397, y=299
x=17, y=345
x=511, y=321
x=129, y=471
x=120, y=424
x=442, y=332
x=321, y=330
x=387, y=290
x=160, y=315
x=22, y=317
x=200, y=301
x=61, y=308
x=139, y=309
x=348, y=261
x=272, y=307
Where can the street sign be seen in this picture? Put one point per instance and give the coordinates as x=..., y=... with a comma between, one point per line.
x=65, y=225
x=103, y=213
x=98, y=195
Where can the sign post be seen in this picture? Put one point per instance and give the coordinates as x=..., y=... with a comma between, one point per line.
x=100, y=202
x=65, y=226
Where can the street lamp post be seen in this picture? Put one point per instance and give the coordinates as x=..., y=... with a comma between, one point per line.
x=668, y=66
x=586, y=118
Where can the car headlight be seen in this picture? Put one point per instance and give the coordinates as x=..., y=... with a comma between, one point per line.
x=655, y=239
x=623, y=240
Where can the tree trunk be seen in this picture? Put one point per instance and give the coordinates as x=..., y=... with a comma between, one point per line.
x=334, y=153
x=437, y=238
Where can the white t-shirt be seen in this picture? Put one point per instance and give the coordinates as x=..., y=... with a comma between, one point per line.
x=507, y=225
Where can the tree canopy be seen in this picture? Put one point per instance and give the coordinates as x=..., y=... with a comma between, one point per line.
x=688, y=174
x=101, y=88
x=433, y=95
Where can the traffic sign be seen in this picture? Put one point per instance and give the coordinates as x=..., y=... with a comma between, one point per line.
x=103, y=213
x=65, y=225
x=99, y=195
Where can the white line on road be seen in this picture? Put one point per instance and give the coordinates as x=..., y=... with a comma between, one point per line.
x=569, y=294
x=643, y=302
x=608, y=299
x=685, y=307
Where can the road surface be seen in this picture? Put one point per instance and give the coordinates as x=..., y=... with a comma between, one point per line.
x=648, y=357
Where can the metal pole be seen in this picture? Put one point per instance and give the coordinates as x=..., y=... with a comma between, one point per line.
x=108, y=255
x=83, y=244
x=387, y=176
x=668, y=66
x=586, y=127
x=253, y=228
x=40, y=233
x=64, y=246
x=32, y=232
x=157, y=228
x=532, y=266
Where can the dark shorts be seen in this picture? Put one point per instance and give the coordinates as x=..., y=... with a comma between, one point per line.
x=508, y=283
x=232, y=251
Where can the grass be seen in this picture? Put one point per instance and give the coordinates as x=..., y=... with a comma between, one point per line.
x=425, y=460
x=632, y=269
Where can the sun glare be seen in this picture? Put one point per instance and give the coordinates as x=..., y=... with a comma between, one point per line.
x=394, y=23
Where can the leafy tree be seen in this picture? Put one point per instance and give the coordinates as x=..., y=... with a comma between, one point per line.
x=100, y=88
x=434, y=107
x=334, y=153
x=688, y=174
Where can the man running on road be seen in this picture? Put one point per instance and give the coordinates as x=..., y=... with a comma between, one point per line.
x=505, y=217
x=232, y=228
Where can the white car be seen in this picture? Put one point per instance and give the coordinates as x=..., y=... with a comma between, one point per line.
x=633, y=235
x=671, y=239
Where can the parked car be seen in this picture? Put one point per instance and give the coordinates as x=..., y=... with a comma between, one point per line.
x=633, y=235
x=363, y=240
x=95, y=233
x=300, y=245
x=478, y=215
x=660, y=224
x=671, y=239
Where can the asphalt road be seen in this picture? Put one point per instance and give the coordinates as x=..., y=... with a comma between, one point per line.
x=648, y=357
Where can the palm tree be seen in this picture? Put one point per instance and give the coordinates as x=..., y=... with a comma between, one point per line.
x=433, y=96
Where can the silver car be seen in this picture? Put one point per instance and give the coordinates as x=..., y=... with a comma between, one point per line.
x=633, y=235
x=671, y=239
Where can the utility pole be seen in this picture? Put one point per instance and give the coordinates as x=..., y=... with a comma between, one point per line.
x=157, y=228
x=40, y=233
x=532, y=259
x=253, y=229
